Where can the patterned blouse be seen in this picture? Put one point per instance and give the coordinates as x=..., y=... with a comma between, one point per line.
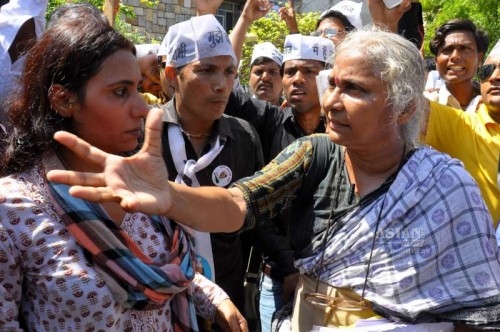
x=46, y=279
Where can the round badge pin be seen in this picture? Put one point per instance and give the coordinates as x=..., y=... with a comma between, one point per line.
x=222, y=176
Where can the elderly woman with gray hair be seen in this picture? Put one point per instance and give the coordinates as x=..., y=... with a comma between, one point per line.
x=379, y=225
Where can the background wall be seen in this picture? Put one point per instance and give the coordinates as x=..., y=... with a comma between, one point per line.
x=153, y=22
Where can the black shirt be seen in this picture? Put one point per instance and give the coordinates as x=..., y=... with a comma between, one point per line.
x=277, y=129
x=242, y=155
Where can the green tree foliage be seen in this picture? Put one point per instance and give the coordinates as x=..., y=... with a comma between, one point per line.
x=484, y=13
x=121, y=24
x=272, y=29
x=53, y=4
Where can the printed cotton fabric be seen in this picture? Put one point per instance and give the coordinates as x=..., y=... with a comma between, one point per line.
x=48, y=278
x=136, y=281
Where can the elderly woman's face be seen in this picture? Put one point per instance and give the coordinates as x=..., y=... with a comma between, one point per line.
x=355, y=104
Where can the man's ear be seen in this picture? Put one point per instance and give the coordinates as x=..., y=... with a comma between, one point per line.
x=63, y=102
x=480, y=58
x=170, y=75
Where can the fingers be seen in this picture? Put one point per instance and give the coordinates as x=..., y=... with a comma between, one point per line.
x=242, y=324
x=229, y=318
x=76, y=178
x=98, y=195
x=153, y=133
x=263, y=5
x=236, y=323
x=80, y=147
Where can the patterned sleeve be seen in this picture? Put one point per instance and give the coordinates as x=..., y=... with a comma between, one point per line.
x=10, y=277
x=274, y=188
x=206, y=296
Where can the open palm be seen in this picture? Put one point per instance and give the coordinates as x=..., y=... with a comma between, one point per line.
x=138, y=183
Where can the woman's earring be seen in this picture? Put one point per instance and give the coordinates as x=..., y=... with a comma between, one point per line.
x=70, y=104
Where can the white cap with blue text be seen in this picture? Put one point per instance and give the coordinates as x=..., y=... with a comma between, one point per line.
x=146, y=49
x=299, y=47
x=267, y=50
x=198, y=38
x=350, y=9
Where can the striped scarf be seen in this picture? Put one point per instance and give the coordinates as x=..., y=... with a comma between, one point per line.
x=134, y=279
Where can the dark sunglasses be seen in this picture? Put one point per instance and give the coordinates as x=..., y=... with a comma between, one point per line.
x=161, y=63
x=484, y=72
x=329, y=32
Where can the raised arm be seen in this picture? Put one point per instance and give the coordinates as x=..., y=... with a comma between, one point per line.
x=253, y=10
x=287, y=14
x=387, y=18
x=140, y=183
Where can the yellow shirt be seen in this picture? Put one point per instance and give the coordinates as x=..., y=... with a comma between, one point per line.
x=475, y=140
x=151, y=99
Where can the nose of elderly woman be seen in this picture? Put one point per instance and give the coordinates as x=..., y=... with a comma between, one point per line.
x=330, y=98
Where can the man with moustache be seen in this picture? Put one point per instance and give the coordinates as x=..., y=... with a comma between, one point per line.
x=201, y=145
x=265, y=74
x=303, y=59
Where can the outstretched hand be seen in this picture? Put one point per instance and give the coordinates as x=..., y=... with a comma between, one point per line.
x=385, y=17
x=138, y=183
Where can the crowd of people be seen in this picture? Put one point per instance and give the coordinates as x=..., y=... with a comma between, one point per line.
x=143, y=188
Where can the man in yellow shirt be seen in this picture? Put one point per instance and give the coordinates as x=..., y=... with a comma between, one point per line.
x=474, y=138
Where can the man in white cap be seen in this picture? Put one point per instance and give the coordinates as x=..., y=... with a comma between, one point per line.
x=333, y=23
x=338, y=20
x=147, y=59
x=265, y=74
x=474, y=138
x=303, y=58
x=202, y=146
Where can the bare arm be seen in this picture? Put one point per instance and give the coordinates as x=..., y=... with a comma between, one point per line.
x=140, y=183
x=207, y=209
x=253, y=10
x=387, y=18
x=287, y=14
